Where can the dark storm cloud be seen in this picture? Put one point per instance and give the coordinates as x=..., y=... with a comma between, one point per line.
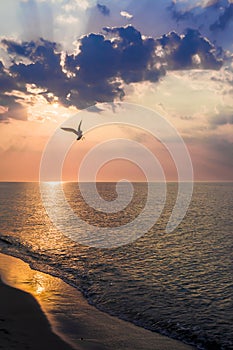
x=103, y=9
x=97, y=59
x=136, y=59
x=102, y=64
x=189, y=51
x=8, y=101
x=95, y=69
x=223, y=19
x=23, y=49
x=7, y=83
x=31, y=49
x=45, y=70
x=98, y=72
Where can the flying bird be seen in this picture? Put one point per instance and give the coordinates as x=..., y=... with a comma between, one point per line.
x=78, y=132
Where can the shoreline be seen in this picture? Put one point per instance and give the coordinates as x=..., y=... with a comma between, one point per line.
x=23, y=325
x=82, y=327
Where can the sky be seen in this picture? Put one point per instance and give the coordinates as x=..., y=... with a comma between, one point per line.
x=59, y=57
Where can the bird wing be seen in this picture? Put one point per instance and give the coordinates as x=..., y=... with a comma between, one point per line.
x=79, y=127
x=70, y=130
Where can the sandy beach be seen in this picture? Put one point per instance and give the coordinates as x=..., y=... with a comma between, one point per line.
x=30, y=320
x=23, y=325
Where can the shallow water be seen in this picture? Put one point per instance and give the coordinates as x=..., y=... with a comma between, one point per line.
x=179, y=284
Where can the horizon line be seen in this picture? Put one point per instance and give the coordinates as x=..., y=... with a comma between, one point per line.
x=112, y=181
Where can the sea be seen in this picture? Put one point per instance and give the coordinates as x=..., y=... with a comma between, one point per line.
x=178, y=283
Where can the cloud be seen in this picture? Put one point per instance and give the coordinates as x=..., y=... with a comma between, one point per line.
x=179, y=14
x=21, y=49
x=105, y=63
x=126, y=14
x=209, y=3
x=101, y=68
x=136, y=58
x=103, y=9
x=189, y=51
x=212, y=18
x=183, y=10
x=10, y=105
x=223, y=19
x=223, y=118
x=3, y=109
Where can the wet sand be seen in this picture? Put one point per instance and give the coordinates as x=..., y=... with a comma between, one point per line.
x=30, y=320
x=23, y=325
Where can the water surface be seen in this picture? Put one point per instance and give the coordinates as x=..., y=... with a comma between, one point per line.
x=179, y=284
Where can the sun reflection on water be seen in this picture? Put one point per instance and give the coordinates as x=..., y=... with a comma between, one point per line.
x=17, y=274
x=52, y=293
x=40, y=283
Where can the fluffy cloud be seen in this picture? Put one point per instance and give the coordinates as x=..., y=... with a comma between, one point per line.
x=136, y=55
x=189, y=51
x=126, y=14
x=100, y=69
